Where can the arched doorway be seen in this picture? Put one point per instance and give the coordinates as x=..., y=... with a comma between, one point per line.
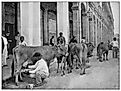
x=49, y=21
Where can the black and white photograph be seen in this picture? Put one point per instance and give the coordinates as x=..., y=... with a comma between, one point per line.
x=60, y=45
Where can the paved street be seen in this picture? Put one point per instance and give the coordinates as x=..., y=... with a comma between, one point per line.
x=100, y=75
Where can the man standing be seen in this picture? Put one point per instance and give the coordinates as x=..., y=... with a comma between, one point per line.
x=114, y=43
x=52, y=41
x=17, y=38
x=61, y=40
x=5, y=50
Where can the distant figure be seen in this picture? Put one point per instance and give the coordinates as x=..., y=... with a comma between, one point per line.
x=73, y=40
x=114, y=43
x=5, y=50
x=83, y=40
x=52, y=41
x=109, y=44
x=22, y=42
x=61, y=40
x=17, y=38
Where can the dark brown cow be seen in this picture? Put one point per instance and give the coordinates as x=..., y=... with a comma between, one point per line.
x=80, y=50
x=102, y=50
x=22, y=53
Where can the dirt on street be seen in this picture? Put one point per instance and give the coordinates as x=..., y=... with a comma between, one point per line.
x=99, y=75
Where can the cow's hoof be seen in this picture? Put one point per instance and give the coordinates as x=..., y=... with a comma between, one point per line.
x=62, y=74
x=100, y=61
x=82, y=73
x=77, y=67
x=70, y=71
x=17, y=84
x=104, y=60
x=21, y=80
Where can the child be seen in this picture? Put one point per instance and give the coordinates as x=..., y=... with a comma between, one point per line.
x=115, y=47
x=22, y=42
x=40, y=70
x=17, y=38
x=83, y=40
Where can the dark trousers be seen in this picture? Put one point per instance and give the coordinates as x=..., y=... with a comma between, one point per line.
x=115, y=52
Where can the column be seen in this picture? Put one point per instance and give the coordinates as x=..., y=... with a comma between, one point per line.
x=87, y=28
x=63, y=19
x=80, y=27
x=96, y=31
x=98, y=37
x=3, y=16
x=46, y=30
x=87, y=22
x=90, y=34
x=92, y=29
x=18, y=18
x=101, y=31
x=76, y=20
x=30, y=22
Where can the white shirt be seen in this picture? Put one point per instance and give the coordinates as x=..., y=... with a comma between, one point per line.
x=114, y=43
x=83, y=40
x=5, y=41
x=23, y=43
x=40, y=65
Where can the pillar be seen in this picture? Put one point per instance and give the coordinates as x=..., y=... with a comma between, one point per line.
x=18, y=18
x=92, y=29
x=80, y=26
x=87, y=28
x=46, y=27
x=90, y=32
x=101, y=31
x=30, y=22
x=96, y=31
x=3, y=16
x=63, y=19
x=87, y=22
x=98, y=37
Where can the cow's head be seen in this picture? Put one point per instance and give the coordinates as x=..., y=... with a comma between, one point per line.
x=61, y=50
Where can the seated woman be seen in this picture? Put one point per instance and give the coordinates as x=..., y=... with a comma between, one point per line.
x=40, y=70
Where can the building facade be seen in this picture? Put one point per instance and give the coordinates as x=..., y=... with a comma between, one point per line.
x=38, y=21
